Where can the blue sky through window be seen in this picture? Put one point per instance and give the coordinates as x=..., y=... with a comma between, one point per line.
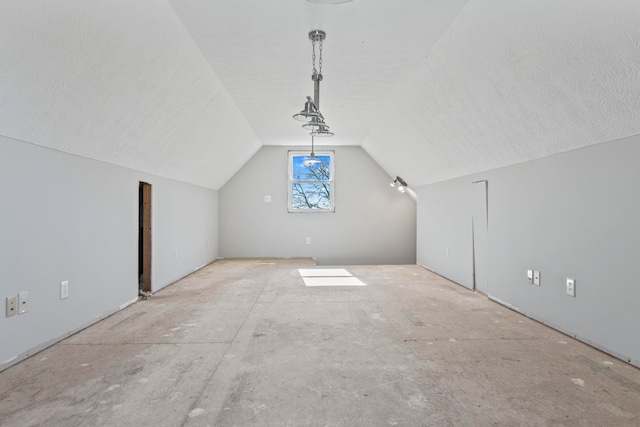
x=311, y=184
x=301, y=171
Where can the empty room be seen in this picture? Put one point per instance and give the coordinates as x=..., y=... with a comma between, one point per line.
x=319, y=213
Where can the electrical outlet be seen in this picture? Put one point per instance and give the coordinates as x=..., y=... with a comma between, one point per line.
x=571, y=287
x=536, y=278
x=64, y=290
x=23, y=302
x=11, y=306
x=530, y=276
x=308, y=240
x=267, y=199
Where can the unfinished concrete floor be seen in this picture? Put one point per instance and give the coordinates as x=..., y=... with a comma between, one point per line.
x=245, y=343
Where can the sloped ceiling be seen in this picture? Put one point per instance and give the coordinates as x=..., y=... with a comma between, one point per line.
x=512, y=81
x=118, y=81
x=431, y=89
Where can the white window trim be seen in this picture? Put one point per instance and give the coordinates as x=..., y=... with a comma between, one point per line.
x=291, y=154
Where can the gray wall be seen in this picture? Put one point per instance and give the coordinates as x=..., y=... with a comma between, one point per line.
x=575, y=215
x=64, y=217
x=372, y=223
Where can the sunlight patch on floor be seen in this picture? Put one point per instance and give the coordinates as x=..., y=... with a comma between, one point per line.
x=324, y=272
x=329, y=277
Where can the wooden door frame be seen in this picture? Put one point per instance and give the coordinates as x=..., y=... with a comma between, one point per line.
x=145, y=278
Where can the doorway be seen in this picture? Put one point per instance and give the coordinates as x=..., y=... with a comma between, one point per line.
x=479, y=236
x=144, y=237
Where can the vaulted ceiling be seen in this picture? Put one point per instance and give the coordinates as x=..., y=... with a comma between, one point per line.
x=431, y=89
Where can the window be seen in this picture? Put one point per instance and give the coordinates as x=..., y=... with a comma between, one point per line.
x=311, y=186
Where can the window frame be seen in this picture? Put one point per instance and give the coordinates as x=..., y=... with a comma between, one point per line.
x=332, y=194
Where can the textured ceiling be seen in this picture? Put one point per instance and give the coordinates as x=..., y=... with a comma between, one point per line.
x=118, y=81
x=432, y=89
x=513, y=81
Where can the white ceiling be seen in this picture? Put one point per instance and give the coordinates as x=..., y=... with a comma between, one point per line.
x=431, y=89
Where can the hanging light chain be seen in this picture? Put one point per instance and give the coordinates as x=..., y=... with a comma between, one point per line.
x=320, y=59
x=313, y=57
x=316, y=39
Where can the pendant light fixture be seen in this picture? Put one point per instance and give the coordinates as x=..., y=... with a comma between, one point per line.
x=311, y=113
x=311, y=160
x=323, y=131
x=314, y=124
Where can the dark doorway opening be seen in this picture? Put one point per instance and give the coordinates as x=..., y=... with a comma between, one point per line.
x=144, y=237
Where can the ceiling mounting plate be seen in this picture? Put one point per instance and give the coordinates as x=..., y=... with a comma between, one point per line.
x=317, y=35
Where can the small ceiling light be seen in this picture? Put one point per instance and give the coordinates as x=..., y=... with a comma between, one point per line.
x=401, y=183
x=311, y=112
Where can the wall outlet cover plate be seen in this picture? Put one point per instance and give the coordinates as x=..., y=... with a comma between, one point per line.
x=64, y=290
x=11, y=306
x=536, y=278
x=23, y=302
x=571, y=287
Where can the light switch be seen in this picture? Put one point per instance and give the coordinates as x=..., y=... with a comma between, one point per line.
x=530, y=276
